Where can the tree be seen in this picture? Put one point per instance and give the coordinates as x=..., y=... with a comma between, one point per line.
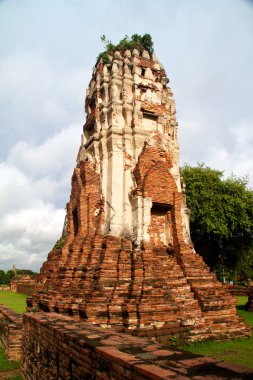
x=8, y=276
x=221, y=218
x=2, y=276
x=26, y=271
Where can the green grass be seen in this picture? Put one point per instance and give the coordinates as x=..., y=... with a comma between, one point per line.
x=238, y=351
x=15, y=301
x=5, y=364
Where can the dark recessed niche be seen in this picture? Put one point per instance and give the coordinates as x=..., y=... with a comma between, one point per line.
x=89, y=130
x=102, y=93
x=150, y=116
x=92, y=105
x=75, y=220
x=160, y=208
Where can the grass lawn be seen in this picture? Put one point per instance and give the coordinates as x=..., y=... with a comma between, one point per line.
x=6, y=365
x=239, y=351
x=14, y=301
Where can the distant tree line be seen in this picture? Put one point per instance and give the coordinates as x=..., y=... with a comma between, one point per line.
x=5, y=277
x=221, y=220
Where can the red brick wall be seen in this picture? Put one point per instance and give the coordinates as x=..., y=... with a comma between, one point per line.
x=23, y=284
x=57, y=347
x=10, y=332
x=154, y=180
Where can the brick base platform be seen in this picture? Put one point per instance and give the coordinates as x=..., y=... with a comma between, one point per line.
x=111, y=284
x=58, y=347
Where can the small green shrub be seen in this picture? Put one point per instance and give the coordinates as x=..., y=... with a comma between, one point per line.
x=60, y=243
x=136, y=41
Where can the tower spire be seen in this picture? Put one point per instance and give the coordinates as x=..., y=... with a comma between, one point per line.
x=127, y=259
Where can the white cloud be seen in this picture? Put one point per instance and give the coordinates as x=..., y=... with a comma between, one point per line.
x=206, y=49
x=28, y=235
x=29, y=224
x=52, y=157
x=38, y=97
x=33, y=190
x=15, y=189
x=231, y=153
x=238, y=159
x=243, y=133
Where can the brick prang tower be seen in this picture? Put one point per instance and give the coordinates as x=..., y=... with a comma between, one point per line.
x=127, y=260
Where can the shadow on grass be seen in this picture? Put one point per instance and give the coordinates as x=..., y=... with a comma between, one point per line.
x=241, y=307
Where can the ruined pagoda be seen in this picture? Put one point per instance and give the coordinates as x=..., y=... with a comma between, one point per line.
x=126, y=259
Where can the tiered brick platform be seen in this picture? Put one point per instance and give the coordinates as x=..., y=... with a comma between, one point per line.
x=150, y=291
x=56, y=348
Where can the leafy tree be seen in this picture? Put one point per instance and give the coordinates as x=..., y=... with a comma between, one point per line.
x=221, y=218
x=2, y=276
x=9, y=275
x=25, y=271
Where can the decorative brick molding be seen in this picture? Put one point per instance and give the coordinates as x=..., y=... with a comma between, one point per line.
x=11, y=332
x=57, y=347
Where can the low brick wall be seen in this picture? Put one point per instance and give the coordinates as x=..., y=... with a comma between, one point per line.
x=3, y=288
x=238, y=290
x=11, y=332
x=60, y=347
x=249, y=305
x=23, y=284
x=25, y=289
x=242, y=291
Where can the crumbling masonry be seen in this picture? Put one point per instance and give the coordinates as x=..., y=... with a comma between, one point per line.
x=127, y=260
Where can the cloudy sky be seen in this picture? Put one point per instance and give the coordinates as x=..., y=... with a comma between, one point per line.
x=47, y=52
